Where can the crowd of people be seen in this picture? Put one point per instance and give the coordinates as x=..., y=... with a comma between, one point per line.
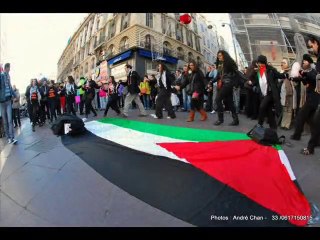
x=289, y=98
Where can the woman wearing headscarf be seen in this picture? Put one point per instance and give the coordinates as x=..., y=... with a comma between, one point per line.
x=287, y=96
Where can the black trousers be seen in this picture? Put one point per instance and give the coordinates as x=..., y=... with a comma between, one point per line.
x=82, y=103
x=44, y=110
x=113, y=103
x=305, y=115
x=209, y=101
x=225, y=94
x=16, y=116
x=120, y=101
x=265, y=109
x=89, y=107
x=164, y=100
x=70, y=104
x=315, y=131
x=52, y=107
x=35, y=111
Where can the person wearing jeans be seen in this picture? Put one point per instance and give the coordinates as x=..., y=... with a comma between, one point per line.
x=16, y=108
x=6, y=97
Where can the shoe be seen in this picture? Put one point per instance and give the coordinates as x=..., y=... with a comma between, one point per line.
x=294, y=137
x=95, y=115
x=155, y=116
x=15, y=126
x=33, y=129
x=204, y=115
x=169, y=117
x=124, y=115
x=234, y=123
x=9, y=141
x=142, y=115
x=14, y=141
x=213, y=112
x=218, y=122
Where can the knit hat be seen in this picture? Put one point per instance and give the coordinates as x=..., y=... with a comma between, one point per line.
x=307, y=58
x=262, y=59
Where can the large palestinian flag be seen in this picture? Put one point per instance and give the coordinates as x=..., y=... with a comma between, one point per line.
x=204, y=177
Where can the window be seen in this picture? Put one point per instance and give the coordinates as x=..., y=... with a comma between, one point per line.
x=86, y=68
x=149, y=20
x=98, y=23
x=147, y=43
x=167, y=48
x=189, y=38
x=169, y=32
x=180, y=53
x=110, y=51
x=190, y=56
x=179, y=35
x=92, y=63
x=163, y=23
x=197, y=44
x=124, y=44
x=204, y=40
x=124, y=21
x=195, y=28
x=112, y=29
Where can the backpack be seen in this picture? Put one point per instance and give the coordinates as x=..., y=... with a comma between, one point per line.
x=265, y=136
x=76, y=125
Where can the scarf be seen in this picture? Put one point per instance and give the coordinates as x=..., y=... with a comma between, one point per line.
x=263, y=80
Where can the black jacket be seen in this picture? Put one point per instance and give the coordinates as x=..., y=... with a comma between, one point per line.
x=44, y=92
x=169, y=81
x=272, y=76
x=90, y=91
x=133, y=82
x=197, y=83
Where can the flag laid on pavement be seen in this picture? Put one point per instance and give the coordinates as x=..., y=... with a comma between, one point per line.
x=204, y=177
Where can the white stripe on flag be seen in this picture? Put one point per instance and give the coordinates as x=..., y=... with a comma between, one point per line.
x=140, y=141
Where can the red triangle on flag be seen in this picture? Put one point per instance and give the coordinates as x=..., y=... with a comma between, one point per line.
x=251, y=169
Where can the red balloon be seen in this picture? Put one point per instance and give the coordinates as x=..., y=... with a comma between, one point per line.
x=185, y=18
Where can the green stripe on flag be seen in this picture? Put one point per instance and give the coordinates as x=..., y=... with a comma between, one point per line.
x=182, y=133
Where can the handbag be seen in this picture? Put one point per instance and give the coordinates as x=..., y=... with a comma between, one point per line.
x=265, y=136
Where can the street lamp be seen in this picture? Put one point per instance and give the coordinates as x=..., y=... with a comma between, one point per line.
x=233, y=39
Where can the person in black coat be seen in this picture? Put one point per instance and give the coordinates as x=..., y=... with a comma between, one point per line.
x=164, y=81
x=89, y=94
x=308, y=78
x=133, y=81
x=266, y=85
x=196, y=80
x=314, y=44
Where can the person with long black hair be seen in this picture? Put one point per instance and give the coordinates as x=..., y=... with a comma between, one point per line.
x=196, y=91
x=226, y=80
x=70, y=91
x=113, y=96
x=35, y=97
x=164, y=82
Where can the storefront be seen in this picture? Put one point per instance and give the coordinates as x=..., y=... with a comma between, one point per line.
x=117, y=65
x=151, y=66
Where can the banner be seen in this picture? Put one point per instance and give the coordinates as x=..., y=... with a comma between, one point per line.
x=103, y=71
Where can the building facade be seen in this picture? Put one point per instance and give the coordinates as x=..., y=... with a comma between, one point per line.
x=271, y=34
x=209, y=40
x=110, y=40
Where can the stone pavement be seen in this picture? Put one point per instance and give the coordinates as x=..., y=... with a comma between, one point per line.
x=44, y=184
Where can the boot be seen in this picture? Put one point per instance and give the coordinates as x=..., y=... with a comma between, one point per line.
x=204, y=115
x=191, y=116
x=220, y=119
x=235, y=121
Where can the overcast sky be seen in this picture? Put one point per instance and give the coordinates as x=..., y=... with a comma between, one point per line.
x=33, y=43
